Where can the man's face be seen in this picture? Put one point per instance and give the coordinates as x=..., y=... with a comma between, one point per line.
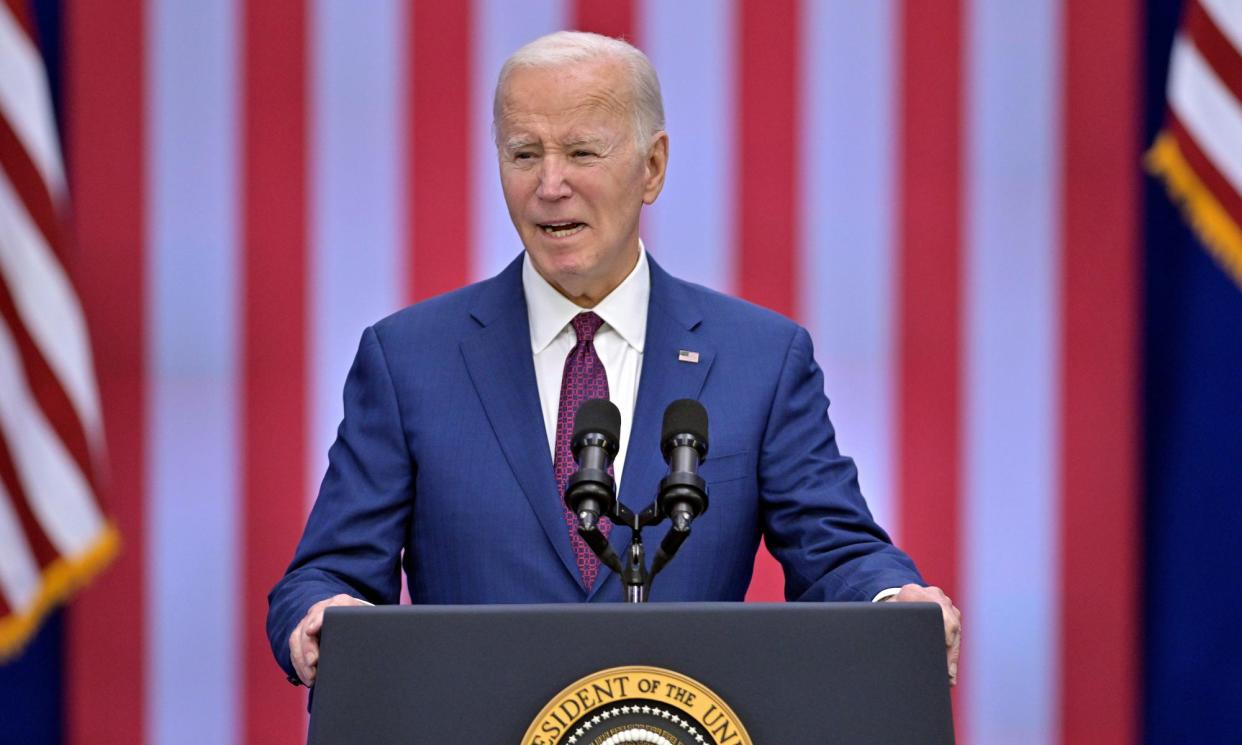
x=573, y=175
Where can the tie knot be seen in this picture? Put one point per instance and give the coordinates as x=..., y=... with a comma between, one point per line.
x=585, y=326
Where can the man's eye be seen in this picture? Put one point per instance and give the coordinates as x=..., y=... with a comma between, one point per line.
x=523, y=156
x=584, y=154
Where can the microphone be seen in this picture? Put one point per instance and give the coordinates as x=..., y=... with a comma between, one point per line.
x=591, y=491
x=683, y=493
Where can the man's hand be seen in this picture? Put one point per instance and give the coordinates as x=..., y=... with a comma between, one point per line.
x=952, y=619
x=304, y=641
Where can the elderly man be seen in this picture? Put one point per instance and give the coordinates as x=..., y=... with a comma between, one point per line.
x=454, y=449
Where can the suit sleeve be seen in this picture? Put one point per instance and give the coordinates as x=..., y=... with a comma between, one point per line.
x=815, y=520
x=354, y=535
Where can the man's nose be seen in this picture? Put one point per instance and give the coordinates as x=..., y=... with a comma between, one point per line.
x=552, y=183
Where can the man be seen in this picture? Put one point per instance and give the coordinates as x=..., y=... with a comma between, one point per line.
x=454, y=448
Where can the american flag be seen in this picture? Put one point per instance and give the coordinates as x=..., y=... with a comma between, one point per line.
x=1199, y=153
x=53, y=535
x=943, y=192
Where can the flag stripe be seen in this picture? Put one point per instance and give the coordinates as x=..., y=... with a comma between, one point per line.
x=30, y=186
x=45, y=301
x=25, y=102
x=46, y=389
x=767, y=111
x=107, y=628
x=274, y=234
x=20, y=563
x=56, y=489
x=33, y=540
x=1224, y=58
x=21, y=15
x=1227, y=16
x=438, y=153
x=1099, y=377
x=1012, y=360
x=608, y=17
x=56, y=500
x=1205, y=169
x=1207, y=110
x=930, y=299
x=846, y=186
x=192, y=417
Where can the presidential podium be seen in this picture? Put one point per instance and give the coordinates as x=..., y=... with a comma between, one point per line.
x=605, y=674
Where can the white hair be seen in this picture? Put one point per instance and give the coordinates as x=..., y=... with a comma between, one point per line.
x=568, y=47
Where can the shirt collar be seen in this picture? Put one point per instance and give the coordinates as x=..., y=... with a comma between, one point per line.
x=624, y=309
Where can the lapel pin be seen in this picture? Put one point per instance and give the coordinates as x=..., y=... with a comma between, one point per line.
x=685, y=355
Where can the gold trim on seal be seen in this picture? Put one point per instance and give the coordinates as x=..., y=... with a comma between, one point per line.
x=636, y=683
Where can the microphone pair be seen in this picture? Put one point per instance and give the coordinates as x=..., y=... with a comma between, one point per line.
x=591, y=491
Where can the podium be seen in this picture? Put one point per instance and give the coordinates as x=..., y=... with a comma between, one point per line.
x=694, y=673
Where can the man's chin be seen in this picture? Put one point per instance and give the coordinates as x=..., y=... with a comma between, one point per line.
x=560, y=260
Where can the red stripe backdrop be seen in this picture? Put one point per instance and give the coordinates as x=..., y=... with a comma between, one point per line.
x=929, y=346
x=1100, y=398
x=767, y=231
x=273, y=206
x=105, y=87
x=437, y=155
x=608, y=17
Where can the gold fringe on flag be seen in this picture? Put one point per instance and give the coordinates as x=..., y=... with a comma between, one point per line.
x=1211, y=222
x=60, y=579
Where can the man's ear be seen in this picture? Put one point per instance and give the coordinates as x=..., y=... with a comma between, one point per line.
x=655, y=165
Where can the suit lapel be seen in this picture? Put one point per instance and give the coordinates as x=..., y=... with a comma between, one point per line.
x=672, y=320
x=498, y=359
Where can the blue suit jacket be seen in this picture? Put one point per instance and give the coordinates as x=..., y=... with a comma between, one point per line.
x=442, y=454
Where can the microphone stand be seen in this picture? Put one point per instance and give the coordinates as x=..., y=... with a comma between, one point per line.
x=635, y=577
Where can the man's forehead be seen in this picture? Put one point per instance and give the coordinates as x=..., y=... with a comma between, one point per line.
x=584, y=121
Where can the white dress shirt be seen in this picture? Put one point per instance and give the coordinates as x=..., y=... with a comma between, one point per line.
x=619, y=343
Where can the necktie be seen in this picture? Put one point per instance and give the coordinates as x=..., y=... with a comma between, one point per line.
x=584, y=378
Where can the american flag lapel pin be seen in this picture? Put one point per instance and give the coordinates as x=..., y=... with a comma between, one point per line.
x=685, y=355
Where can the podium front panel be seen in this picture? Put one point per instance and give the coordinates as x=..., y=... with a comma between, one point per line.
x=792, y=673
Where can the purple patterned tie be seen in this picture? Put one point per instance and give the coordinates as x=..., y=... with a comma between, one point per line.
x=584, y=379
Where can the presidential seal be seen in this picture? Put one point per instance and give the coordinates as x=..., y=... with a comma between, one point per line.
x=636, y=704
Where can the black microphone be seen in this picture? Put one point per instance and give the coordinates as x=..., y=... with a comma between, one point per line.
x=591, y=491
x=683, y=493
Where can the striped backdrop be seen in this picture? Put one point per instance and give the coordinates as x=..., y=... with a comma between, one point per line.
x=943, y=192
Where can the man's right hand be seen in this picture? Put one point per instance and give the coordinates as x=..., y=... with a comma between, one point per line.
x=304, y=641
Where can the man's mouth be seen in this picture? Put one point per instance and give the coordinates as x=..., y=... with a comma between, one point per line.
x=561, y=229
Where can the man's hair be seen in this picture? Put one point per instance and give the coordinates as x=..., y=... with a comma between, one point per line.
x=568, y=47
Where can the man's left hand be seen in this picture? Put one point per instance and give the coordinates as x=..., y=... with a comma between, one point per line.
x=952, y=619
